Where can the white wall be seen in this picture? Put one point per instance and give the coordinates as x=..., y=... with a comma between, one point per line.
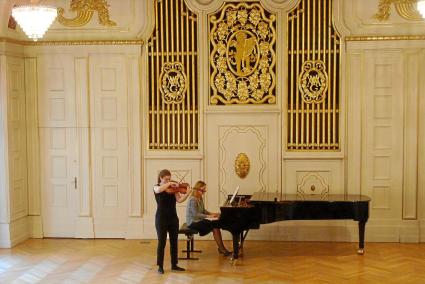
x=382, y=129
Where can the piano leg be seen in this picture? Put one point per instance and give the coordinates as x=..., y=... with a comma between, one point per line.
x=236, y=239
x=362, y=225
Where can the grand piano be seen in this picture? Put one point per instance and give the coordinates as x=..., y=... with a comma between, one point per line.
x=250, y=211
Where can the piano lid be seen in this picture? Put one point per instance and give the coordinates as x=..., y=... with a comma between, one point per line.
x=282, y=197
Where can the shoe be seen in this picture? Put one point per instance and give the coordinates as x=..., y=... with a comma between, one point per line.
x=160, y=270
x=177, y=268
x=224, y=252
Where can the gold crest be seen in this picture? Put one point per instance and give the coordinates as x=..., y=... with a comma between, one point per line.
x=242, y=165
x=313, y=81
x=173, y=82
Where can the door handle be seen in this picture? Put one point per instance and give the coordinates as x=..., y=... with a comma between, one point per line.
x=75, y=182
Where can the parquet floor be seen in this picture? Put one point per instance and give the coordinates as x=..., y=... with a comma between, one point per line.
x=133, y=261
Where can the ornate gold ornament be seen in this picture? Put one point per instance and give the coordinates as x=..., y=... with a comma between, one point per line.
x=173, y=82
x=242, y=55
x=85, y=10
x=313, y=81
x=242, y=165
x=405, y=8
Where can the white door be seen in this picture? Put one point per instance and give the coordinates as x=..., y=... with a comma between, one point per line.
x=59, y=180
x=109, y=145
x=58, y=144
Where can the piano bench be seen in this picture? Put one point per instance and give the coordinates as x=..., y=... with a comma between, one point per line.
x=190, y=244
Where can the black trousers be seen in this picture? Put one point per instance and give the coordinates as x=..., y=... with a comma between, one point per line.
x=163, y=225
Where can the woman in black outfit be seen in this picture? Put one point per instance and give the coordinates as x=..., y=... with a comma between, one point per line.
x=166, y=219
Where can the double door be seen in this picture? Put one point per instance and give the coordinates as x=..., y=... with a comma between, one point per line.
x=83, y=145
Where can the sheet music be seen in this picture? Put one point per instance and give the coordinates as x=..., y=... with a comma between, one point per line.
x=234, y=195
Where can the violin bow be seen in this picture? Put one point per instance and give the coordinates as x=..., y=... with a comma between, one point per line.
x=183, y=178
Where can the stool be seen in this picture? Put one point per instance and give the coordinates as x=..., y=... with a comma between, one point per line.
x=190, y=244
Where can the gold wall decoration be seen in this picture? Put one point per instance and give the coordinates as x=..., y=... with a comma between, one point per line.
x=242, y=55
x=85, y=10
x=173, y=82
x=405, y=8
x=173, y=78
x=313, y=81
x=242, y=165
x=314, y=58
x=313, y=184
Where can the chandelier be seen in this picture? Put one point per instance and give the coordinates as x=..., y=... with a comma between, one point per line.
x=34, y=19
x=421, y=7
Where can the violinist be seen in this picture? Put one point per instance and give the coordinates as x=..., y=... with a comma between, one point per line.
x=200, y=219
x=167, y=193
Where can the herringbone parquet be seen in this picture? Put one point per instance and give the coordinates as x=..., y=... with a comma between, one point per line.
x=132, y=261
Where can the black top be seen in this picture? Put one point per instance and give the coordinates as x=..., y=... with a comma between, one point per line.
x=166, y=205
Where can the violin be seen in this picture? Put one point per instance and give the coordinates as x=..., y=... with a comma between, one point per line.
x=179, y=188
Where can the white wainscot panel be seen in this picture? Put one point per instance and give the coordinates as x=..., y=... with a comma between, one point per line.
x=59, y=195
x=109, y=138
x=382, y=135
x=108, y=79
x=314, y=177
x=381, y=197
x=109, y=167
x=56, y=90
x=110, y=195
x=233, y=144
x=56, y=80
x=382, y=80
x=383, y=107
x=382, y=168
x=59, y=167
x=58, y=138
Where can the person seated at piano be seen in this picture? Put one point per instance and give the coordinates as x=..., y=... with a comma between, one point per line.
x=200, y=219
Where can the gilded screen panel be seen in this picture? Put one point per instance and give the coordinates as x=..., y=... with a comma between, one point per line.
x=242, y=55
x=173, y=103
x=313, y=78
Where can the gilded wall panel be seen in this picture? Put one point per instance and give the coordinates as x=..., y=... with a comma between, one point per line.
x=173, y=78
x=242, y=55
x=314, y=62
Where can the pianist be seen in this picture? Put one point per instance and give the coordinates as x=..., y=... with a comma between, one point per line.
x=198, y=218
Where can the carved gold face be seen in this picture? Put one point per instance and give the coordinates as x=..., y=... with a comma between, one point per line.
x=242, y=165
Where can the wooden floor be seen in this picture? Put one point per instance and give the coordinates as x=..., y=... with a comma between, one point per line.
x=133, y=261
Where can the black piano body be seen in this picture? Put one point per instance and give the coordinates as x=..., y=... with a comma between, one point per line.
x=249, y=212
